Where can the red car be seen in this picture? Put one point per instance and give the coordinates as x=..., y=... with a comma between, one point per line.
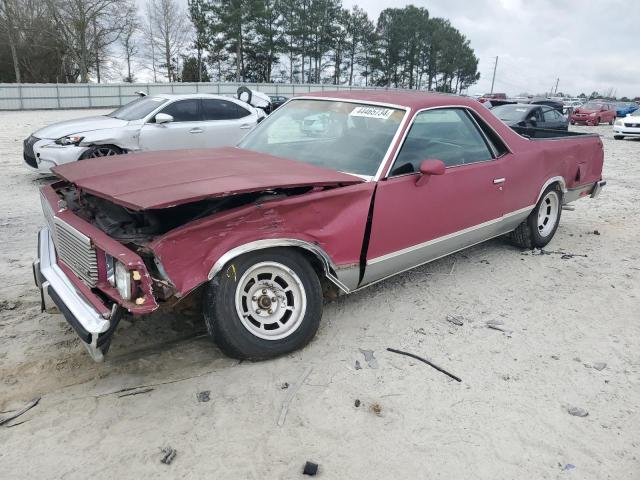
x=390, y=181
x=492, y=96
x=594, y=113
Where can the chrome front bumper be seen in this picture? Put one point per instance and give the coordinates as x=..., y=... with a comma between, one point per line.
x=53, y=283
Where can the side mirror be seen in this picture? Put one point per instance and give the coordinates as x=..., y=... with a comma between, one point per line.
x=428, y=168
x=164, y=118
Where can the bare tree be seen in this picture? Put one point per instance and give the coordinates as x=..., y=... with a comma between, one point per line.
x=8, y=13
x=88, y=27
x=168, y=32
x=128, y=42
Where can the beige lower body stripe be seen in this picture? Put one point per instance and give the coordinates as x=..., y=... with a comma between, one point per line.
x=449, y=236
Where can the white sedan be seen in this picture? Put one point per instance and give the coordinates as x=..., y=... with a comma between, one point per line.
x=628, y=126
x=159, y=122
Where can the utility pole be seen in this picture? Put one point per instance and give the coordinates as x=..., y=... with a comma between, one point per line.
x=495, y=67
x=557, y=82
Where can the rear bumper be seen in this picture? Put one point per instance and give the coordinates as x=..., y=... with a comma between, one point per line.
x=597, y=188
x=591, y=189
x=93, y=328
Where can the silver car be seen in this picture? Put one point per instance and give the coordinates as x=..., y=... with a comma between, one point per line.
x=159, y=122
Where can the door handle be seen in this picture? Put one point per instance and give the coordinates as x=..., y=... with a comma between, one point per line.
x=497, y=181
x=246, y=126
x=195, y=130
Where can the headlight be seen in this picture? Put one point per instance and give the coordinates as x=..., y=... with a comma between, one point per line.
x=70, y=140
x=592, y=114
x=123, y=281
x=111, y=273
x=619, y=122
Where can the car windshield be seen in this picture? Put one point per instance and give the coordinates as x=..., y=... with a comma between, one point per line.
x=344, y=136
x=592, y=106
x=138, y=109
x=636, y=113
x=510, y=112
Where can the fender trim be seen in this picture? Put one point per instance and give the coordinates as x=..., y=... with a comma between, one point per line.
x=327, y=263
x=560, y=180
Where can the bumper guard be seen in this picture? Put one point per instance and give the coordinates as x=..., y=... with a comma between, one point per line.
x=94, y=330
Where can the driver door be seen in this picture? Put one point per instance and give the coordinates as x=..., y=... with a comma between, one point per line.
x=184, y=132
x=418, y=221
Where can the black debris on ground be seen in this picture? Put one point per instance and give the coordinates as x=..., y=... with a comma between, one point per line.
x=310, y=469
x=168, y=454
x=204, y=396
x=357, y=403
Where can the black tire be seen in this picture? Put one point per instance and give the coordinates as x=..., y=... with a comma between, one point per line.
x=572, y=122
x=528, y=234
x=611, y=121
x=618, y=137
x=225, y=324
x=99, y=151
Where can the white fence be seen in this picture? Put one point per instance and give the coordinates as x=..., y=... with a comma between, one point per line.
x=39, y=96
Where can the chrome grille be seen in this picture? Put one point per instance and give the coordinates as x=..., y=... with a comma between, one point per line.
x=48, y=213
x=73, y=248
x=76, y=251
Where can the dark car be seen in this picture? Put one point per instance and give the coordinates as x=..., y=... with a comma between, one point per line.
x=277, y=101
x=532, y=116
x=558, y=106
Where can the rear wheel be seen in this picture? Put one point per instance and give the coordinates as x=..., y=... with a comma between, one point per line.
x=264, y=304
x=541, y=225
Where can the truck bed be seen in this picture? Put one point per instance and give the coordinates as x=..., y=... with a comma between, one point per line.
x=543, y=133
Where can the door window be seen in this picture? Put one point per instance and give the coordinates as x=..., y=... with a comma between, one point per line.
x=183, y=110
x=446, y=134
x=213, y=109
x=552, y=116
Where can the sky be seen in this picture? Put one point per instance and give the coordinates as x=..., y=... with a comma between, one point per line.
x=590, y=45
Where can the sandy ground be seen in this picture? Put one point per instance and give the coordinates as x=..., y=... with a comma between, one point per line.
x=507, y=419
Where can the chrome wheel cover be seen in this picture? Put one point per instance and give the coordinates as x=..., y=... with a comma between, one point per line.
x=548, y=213
x=103, y=152
x=270, y=300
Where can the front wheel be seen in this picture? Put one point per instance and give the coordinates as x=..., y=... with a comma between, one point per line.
x=611, y=121
x=541, y=225
x=264, y=304
x=98, y=151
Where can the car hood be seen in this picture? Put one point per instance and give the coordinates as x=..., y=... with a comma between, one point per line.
x=79, y=125
x=165, y=179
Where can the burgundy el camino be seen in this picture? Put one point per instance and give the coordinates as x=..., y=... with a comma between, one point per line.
x=332, y=192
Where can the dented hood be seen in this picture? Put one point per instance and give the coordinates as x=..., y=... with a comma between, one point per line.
x=165, y=179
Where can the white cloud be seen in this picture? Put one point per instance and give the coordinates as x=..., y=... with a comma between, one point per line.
x=589, y=45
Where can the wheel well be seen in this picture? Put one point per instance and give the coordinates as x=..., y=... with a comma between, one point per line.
x=316, y=263
x=83, y=156
x=559, y=182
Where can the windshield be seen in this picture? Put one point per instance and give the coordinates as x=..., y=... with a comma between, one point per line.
x=510, y=112
x=344, y=136
x=592, y=106
x=138, y=109
x=636, y=113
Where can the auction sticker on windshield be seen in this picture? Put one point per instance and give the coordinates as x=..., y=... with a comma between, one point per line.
x=372, y=112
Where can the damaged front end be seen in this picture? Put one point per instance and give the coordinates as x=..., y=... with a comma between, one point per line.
x=91, y=277
x=95, y=260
